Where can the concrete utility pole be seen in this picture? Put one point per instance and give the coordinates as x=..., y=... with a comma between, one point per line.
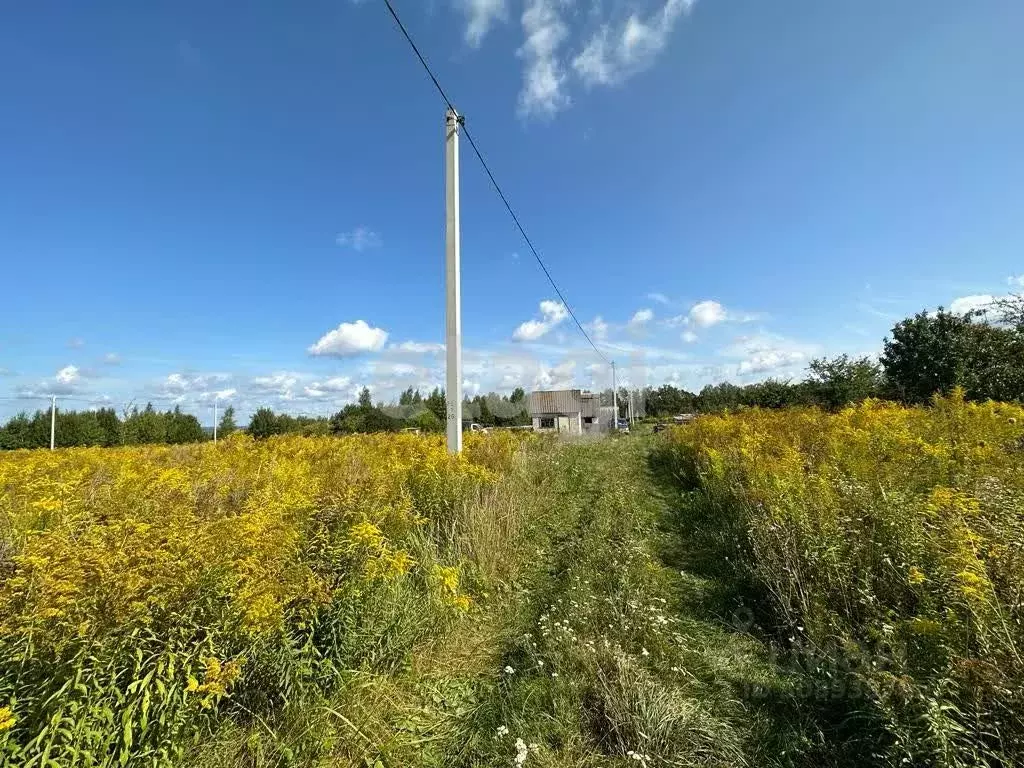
x=214, y=419
x=453, y=292
x=615, y=400
x=53, y=420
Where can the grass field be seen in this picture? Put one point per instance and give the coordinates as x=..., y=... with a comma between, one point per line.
x=760, y=589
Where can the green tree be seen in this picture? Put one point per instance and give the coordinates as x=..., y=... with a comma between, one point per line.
x=227, y=422
x=931, y=353
x=263, y=424
x=843, y=380
x=109, y=425
x=357, y=418
x=668, y=400
x=773, y=393
x=183, y=427
x=410, y=397
x=365, y=400
x=437, y=405
x=427, y=421
x=718, y=397
x=21, y=432
x=518, y=396
x=147, y=426
x=485, y=416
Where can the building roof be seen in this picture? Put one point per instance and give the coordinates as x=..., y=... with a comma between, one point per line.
x=557, y=401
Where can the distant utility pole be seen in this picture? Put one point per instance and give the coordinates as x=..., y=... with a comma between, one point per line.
x=53, y=420
x=615, y=400
x=453, y=302
x=214, y=419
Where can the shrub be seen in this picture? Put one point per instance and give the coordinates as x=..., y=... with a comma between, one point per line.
x=146, y=593
x=889, y=539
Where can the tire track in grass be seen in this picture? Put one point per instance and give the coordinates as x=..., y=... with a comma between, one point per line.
x=602, y=668
x=600, y=651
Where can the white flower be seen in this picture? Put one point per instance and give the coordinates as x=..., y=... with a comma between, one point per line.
x=522, y=751
x=540, y=662
x=503, y=730
x=554, y=674
x=644, y=652
x=509, y=671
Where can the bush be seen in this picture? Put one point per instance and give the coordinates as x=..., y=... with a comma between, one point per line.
x=889, y=540
x=147, y=593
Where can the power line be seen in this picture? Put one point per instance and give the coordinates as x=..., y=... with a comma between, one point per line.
x=494, y=182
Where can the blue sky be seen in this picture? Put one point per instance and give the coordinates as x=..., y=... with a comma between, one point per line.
x=246, y=201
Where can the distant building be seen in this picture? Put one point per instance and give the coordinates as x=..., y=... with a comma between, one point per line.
x=572, y=411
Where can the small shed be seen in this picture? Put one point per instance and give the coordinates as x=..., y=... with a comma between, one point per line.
x=572, y=411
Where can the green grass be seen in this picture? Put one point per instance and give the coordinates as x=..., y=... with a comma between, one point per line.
x=598, y=637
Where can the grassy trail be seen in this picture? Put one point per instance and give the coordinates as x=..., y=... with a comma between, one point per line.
x=600, y=648
x=607, y=652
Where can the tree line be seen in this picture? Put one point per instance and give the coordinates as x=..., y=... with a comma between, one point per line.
x=929, y=353
x=414, y=410
x=105, y=427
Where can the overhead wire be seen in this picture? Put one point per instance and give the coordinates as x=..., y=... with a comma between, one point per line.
x=494, y=182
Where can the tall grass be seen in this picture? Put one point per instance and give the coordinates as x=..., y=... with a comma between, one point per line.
x=150, y=596
x=889, y=543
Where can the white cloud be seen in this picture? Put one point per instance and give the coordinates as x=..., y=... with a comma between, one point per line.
x=598, y=328
x=1015, y=280
x=418, y=347
x=181, y=388
x=481, y=15
x=617, y=52
x=281, y=383
x=336, y=384
x=552, y=313
x=705, y=314
x=359, y=239
x=112, y=358
x=689, y=337
x=661, y=298
x=544, y=79
x=964, y=304
x=349, y=339
x=180, y=383
x=560, y=376
x=767, y=353
x=67, y=375
x=327, y=387
x=76, y=343
x=215, y=396
x=640, y=318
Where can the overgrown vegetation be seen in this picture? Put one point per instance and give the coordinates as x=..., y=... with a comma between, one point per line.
x=884, y=543
x=148, y=596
